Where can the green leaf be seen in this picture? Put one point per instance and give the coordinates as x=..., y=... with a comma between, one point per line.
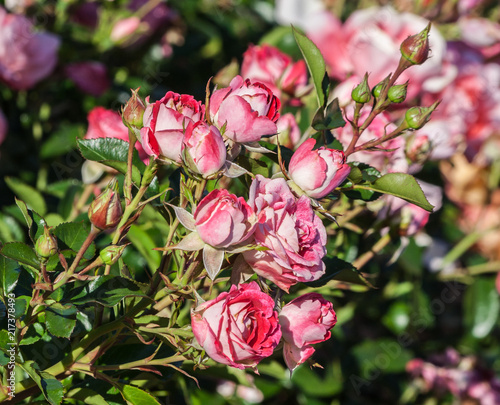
x=20, y=253
x=143, y=242
x=106, y=290
x=111, y=152
x=60, y=142
x=315, y=63
x=401, y=185
x=253, y=165
x=313, y=385
x=24, y=210
x=136, y=396
x=9, y=274
x=482, y=307
x=73, y=235
x=27, y=193
x=60, y=319
x=87, y=396
x=52, y=389
x=330, y=118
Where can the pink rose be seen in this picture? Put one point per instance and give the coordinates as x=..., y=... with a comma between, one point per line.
x=108, y=124
x=90, y=77
x=247, y=111
x=3, y=126
x=305, y=321
x=276, y=70
x=238, y=328
x=222, y=219
x=317, y=172
x=369, y=41
x=26, y=56
x=289, y=228
x=165, y=122
x=203, y=149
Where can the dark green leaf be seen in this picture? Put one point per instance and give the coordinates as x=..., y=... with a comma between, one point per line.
x=143, y=242
x=316, y=64
x=330, y=118
x=136, y=396
x=106, y=290
x=52, y=389
x=21, y=253
x=60, y=319
x=30, y=195
x=401, y=185
x=73, y=235
x=9, y=274
x=111, y=152
x=253, y=165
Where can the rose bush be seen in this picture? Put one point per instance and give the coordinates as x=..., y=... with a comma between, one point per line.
x=238, y=328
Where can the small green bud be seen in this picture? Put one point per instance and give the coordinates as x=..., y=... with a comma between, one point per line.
x=361, y=93
x=416, y=117
x=46, y=244
x=415, y=49
x=397, y=93
x=133, y=111
x=105, y=211
x=377, y=90
x=110, y=254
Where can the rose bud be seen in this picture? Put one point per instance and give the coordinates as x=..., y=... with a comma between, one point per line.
x=46, y=244
x=417, y=117
x=361, y=93
x=105, y=211
x=133, y=112
x=222, y=219
x=317, y=172
x=245, y=111
x=397, y=93
x=238, y=328
x=203, y=149
x=415, y=49
x=377, y=90
x=305, y=321
x=110, y=254
x=164, y=124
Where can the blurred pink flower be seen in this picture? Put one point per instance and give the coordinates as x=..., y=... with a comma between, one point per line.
x=124, y=28
x=26, y=56
x=288, y=131
x=90, y=77
x=369, y=41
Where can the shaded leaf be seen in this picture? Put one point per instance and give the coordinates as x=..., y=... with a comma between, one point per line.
x=73, y=234
x=482, y=307
x=9, y=274
x=60, y=319
x=21, y=253
x=30, y=195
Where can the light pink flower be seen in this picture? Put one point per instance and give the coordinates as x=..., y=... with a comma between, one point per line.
x=369, y=41
x=124, y=28
x=268, y=65
x=238, y=328
x=222, y=219
x=26, y=56
x=91, y=77
x=203, y=148
x=108, y=124
x=305, y=321
x=246, y=110
x=317, y=172
x=165, y=122
x=289, y=228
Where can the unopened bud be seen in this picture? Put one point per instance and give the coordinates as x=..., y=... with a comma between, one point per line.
x=46, y=244
x=397, y=93
x=105, y=211
x=415, y=49
x=110, y=254
x=416, y=117
x=379, y=87
x=361, y=93
x=133, y=111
